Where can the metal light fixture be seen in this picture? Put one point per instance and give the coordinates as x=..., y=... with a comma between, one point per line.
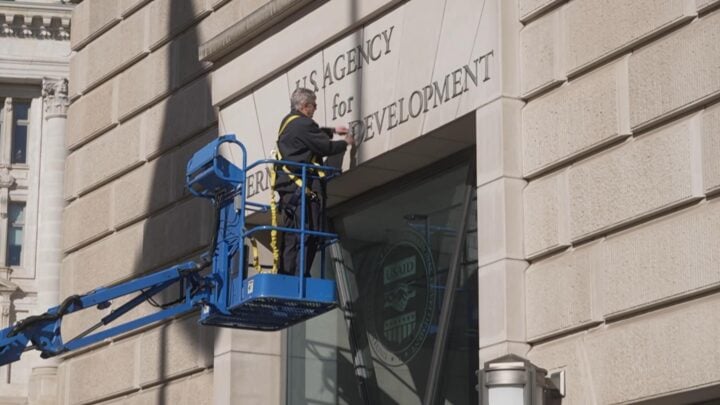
x=513, y=380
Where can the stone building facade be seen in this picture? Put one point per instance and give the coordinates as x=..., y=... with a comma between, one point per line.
x=34, y=67
x=592, y=248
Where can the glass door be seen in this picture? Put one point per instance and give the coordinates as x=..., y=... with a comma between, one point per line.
x=397, y=248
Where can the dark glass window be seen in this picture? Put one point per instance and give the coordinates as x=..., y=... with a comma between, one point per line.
x=21, y=110
x=16, y=224
x=399, y=247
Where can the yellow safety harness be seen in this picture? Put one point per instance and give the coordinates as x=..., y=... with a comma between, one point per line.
x=273, y=203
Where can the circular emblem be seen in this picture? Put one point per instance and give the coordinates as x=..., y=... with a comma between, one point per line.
x=402, y=300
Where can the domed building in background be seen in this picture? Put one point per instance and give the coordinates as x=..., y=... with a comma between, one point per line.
x=34, y=70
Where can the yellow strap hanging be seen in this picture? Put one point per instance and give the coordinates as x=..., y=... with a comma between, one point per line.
x=256, y=255
x=274, y=219
x=297, y=180
x=273, y=203
x=287, y=121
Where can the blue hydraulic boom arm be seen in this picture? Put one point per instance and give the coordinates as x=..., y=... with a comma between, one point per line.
x=226, y=295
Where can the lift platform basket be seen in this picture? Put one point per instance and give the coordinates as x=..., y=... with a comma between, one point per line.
x=273, y=301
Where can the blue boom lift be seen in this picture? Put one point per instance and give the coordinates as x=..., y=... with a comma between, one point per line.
x=226, y=295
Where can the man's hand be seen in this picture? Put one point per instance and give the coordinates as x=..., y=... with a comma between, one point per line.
x=343, y=130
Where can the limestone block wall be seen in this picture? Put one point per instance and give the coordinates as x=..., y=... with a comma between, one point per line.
x=620, y=138
x=140, y=107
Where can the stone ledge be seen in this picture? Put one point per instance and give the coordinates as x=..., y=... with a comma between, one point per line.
x=710, y=149
x=684, y=336
x=659, y=263
x=535, y=10
x=216, y=4
x=655, y=265
x=546, y=217
x=619, y=28
x=658, y=70
x=174, y=349
x=171, y=17
x=115, y=50
x=707, y=5
x=243, y=31
x=638, y=179
x=192, y=389
x=570, y=276
x=110, y=371
x=579, y=118
x=101, y=106
x=541, y=55
x=330, y=20
x=92, y=19
x=128, y=7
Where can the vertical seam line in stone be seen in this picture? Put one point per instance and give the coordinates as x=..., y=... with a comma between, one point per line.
x=147, y=23
x=564, y=227
x=622, y=95
x=596, y=305
x=388, y=138
x=115, y=94
x=586, y=367
x=690, y=8
x=257, y=118
x=560, y=46
x=138, y=360
x=696, y=157
x=472, y=49
x=111, y=209
x=435, y=59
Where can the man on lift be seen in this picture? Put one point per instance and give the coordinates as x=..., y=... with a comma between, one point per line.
x=302, y=140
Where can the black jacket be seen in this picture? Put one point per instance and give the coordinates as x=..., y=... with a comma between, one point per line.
x=303, y=141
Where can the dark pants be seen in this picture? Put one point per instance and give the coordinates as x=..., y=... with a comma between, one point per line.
x=290, y=206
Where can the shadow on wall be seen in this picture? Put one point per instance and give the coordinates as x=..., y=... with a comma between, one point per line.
x=339, y=375
x=179, y=226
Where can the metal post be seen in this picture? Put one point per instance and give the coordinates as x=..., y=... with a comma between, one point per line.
x=361, y=358
x=301, y=252
x=438, y=355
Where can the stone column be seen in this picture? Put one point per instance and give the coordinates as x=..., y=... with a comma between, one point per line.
x=6, y=134
x=501, y=260
x=7, y=181
x=43, y=381
x=7, y=289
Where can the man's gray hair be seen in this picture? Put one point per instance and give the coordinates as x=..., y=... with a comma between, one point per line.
x=300, y=97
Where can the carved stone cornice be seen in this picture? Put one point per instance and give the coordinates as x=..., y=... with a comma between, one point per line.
x=55, y=97
x=36, y=21
x=249, y=27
